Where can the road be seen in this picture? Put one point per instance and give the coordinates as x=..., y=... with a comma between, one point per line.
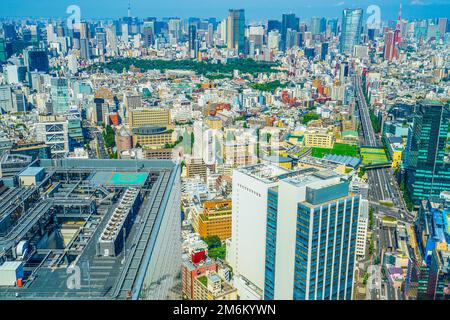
x=95, y=134
x=382, y=183
x=383, y=187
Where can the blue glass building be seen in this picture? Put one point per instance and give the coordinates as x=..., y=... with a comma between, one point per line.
x=351, y=29
x=311, y=238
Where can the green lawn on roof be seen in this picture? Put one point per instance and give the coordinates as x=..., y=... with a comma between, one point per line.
x=373, y=156
x=340, y=149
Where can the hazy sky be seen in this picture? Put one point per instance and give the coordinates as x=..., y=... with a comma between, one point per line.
x=255, y=9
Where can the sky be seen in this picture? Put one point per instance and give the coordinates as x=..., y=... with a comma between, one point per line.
x=255, y=10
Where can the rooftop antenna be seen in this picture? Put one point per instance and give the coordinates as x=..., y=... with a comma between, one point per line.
x=129, y=8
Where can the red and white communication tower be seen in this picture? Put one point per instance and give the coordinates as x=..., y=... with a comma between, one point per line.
x=398, y=31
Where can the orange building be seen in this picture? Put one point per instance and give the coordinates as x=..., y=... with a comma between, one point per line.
x=215, y=219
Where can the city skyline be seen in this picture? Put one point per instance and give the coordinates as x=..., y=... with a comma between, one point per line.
x=209, y=156
x=255, y=10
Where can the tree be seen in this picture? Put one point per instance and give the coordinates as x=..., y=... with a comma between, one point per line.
x=371, y=247
x=361, y=172
x=371, y=218
x=192, y=140
x=109, y=137
x=310, y=117
x=213, y=242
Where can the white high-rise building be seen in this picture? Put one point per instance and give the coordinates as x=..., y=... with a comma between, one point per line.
x=51, y=37
x=249, y=218
x=72, y=64
x=12, y=74
x=124, y=37
x=273, y=40
x=363, y=224
x=293, y=234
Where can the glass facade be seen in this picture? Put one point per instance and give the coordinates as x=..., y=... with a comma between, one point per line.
x=236, y=30
x=351, y=29
x=427, y=174
x=60, y=95
x=271, y=240
x=325, y=250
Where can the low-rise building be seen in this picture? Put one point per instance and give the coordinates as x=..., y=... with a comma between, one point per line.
x=214, y=220
x=319, y=138
x=212, y=287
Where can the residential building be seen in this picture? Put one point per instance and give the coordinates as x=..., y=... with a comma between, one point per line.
x=214, y=219
x=211, y=287
x=195, y=265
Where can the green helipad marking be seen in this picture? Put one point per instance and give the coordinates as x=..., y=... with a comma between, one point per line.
x=124, y=178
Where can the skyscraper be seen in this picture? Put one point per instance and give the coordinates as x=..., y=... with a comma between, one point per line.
x=426, y=172
x=311, y=238
x=36, y=59
x=3, y=55
x=100, y=36
x=192, y=38
x=333, y=25
x=318, y=25
x=236, y=30
x=351, y=29
x=293, y=233
x=60, y=95
x=273, y=25
x=289, y=21
x=389, y=45
x=442, y=23
x=315, y=25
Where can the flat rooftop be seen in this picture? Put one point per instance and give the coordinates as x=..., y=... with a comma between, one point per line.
x=72, y=212
x=109, y=178
x=267, y=173
x=310, y=177
x=31, y=171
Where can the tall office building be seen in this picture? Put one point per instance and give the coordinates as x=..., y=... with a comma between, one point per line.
x=289, y=21
x=351, y=29
x=236, y=30
x=273, y=25
x=292, y=39
x=149, y=33
x=293, y=234
x=6, y=103
x=442, y=23
x=36, y=59
x=3, y=53
x=192, y=38
x=60, y=95
x=273, y=40
x=100, y=37
x=324, y=50
x=389, y=45
x=111, y=41
x=434, y=243
x=426, y=172
x=318, y=25
x=333, y=26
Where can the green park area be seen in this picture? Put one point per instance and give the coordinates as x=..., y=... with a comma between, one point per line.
x=373, y=156
x=340, y=149
x=211, y=70
x=269, y=86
